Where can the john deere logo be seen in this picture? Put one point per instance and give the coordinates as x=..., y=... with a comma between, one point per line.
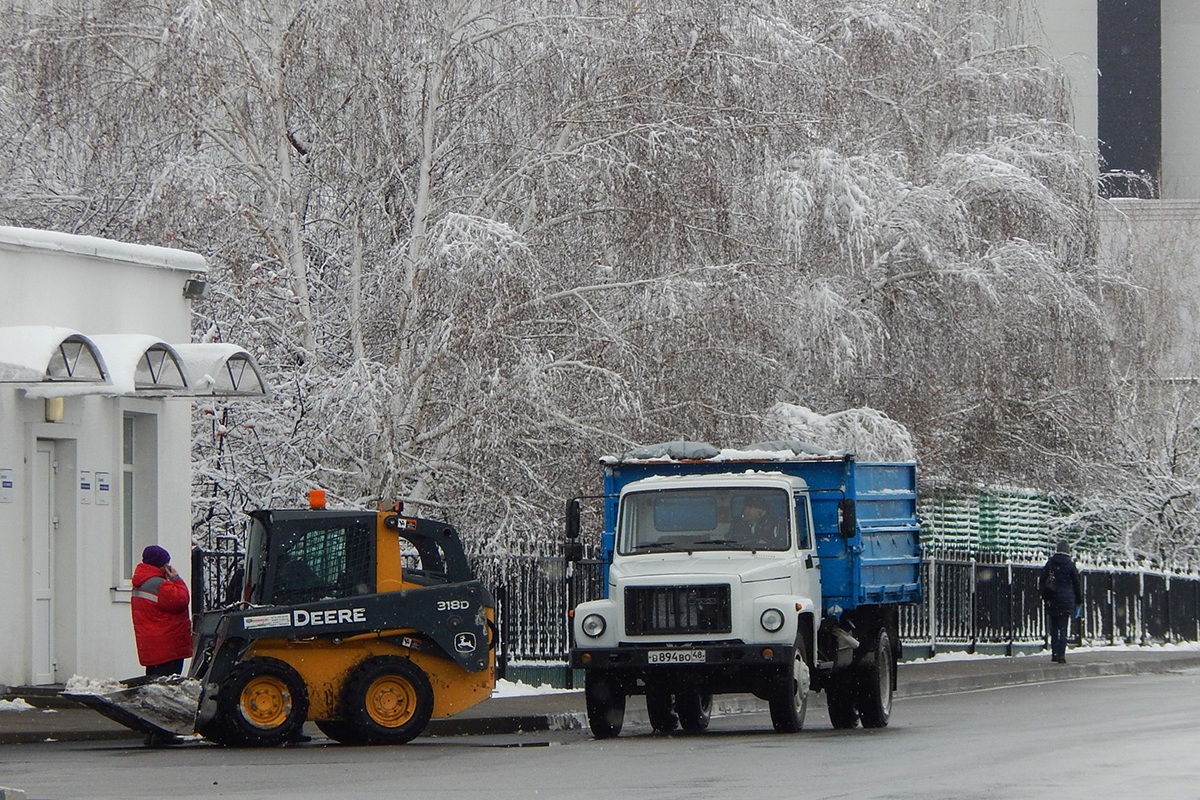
x=464, y=643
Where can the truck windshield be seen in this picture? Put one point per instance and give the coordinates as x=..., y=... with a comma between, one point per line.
x=704, y=519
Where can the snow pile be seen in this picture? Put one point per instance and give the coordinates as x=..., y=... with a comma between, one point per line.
x=15, y=705
x=78, y=684
x=871, y=435
x=507, y=688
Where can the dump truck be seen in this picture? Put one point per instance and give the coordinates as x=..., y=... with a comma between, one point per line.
x=368, y=624
x=775, y=570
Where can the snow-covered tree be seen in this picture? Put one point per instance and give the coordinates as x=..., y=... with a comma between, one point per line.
x=477, y=243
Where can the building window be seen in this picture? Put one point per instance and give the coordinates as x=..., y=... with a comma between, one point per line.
x=139, y=479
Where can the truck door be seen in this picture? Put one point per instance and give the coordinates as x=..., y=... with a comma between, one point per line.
x=810, y=573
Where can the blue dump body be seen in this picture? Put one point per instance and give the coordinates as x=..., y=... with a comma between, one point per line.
x=880, y=564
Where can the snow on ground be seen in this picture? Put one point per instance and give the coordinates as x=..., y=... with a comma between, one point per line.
x=16, y=705
x=507, y=688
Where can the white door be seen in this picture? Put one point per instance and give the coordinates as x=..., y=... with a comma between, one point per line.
x=44, y=525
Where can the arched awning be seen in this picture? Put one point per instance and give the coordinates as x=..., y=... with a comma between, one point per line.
x=60, y=359
x=142, y=365
x=46, y=361
x=223, y=370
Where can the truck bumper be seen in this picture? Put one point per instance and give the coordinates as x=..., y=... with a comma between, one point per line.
x=724, y=667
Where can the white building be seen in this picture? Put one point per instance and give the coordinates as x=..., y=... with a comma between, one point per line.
x=96, y=370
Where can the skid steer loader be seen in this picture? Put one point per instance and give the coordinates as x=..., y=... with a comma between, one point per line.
x=330, y=625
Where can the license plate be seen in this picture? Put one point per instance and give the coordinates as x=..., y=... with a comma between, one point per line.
x=676, y=657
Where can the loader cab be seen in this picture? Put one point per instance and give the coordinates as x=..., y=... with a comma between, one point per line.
x=295, y=557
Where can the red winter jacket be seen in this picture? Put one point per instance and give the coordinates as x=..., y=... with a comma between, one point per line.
x=162, y=624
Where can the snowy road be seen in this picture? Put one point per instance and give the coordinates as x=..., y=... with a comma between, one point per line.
x=1099, y=738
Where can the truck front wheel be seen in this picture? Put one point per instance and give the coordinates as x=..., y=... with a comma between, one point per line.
x=605, y=705
x=878, y=670
x=660, y=707
x=789, y=700
x=695, y=709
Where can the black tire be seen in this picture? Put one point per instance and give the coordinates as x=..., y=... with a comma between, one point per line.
x=839, y=697
x=386, y=700
x=262, y=703
x=876, y=675
x=789, y=699
x=694, y=707
x=339, y=731
x=605, y=705
x=660, y=707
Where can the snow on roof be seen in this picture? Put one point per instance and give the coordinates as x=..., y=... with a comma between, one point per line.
x=94, y=246
x=222, y=369
x=61, y=362
x=782, y=450
x=43, y=353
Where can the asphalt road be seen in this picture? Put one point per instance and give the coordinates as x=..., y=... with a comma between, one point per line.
x=1100, y=737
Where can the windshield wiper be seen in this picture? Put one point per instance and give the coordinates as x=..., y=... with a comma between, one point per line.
x=648, y=546
x=722, y=542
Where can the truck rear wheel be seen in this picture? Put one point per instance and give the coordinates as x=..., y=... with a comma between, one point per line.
x=789, y=700
x=839, y=697
x=262, y=703
x=386, y=700
x=605, y=705
x=695, y=710
x=660, y=707
x=874, y=696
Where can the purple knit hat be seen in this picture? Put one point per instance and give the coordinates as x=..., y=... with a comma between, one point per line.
x=155, y=556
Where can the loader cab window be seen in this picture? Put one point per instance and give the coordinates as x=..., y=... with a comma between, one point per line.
x=312, y=562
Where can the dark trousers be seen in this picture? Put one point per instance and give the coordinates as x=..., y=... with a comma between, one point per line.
x=1059, y=625
x=162, y=670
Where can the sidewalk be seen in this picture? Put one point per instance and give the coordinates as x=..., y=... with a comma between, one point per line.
x=560, y=710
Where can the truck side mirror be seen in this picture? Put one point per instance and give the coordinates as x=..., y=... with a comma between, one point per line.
x=847, y=518
x=573, y=550
x=573, y=506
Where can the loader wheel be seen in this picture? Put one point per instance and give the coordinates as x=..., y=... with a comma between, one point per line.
x=262, y=703
x=605, y=704
x=387, y=700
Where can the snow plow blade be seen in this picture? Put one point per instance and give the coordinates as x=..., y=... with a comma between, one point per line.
x=164, y=707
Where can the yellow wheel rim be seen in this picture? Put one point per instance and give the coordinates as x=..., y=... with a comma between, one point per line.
x=391, y=701
x=266, y=702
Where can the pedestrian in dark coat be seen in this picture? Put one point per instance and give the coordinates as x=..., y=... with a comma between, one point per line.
x=162, y=624
x=1064, y=602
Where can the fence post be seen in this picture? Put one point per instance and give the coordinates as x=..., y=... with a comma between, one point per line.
x=502, y=633
x=931, y=595
x=1008, y=650
x=974, y=591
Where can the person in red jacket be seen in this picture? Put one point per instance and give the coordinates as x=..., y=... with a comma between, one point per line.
x=162, y=624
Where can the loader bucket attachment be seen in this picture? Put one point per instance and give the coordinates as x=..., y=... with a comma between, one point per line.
x=165, y=707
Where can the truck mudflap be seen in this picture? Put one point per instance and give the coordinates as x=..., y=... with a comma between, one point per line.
x=650, y=658
x=164, y=707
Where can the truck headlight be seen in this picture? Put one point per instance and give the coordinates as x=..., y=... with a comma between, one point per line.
x=593, y=625
x=771, y=619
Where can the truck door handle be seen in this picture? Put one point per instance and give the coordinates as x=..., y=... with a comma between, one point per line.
x=808, y=561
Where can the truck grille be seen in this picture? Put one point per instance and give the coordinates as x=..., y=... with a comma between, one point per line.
x=677, y=609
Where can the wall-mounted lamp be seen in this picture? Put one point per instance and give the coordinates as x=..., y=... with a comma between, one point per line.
x=56, y=409
x=193, y=288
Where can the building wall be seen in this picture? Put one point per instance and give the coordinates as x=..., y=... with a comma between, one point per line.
x=1180, y=99
x=94, y=287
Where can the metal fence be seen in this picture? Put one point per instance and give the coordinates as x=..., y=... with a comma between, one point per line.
x=972, y=602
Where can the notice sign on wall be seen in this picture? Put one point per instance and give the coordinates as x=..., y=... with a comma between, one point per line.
x=85, y=486
x=103, y=488
x=6, y=485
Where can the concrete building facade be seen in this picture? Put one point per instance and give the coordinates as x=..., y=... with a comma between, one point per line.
x=97, y=373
